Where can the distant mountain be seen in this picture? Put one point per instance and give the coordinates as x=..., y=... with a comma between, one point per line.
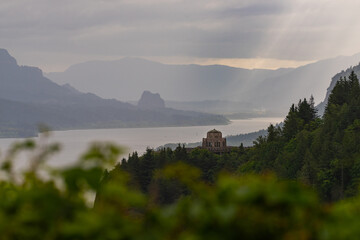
x=254, y=90
x=301, y=82
x=231, y=109
x=132, y=76
x=27, y=99
x=150, y=100
x=16, y=119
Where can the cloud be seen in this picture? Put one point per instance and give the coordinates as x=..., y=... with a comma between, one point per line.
x=257, y=9
x=293, y=30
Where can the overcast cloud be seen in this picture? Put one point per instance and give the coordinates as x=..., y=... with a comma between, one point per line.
x=52, y=33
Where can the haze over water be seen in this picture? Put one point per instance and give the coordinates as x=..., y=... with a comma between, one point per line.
x=75, y=142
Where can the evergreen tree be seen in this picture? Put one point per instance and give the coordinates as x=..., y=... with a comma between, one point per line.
x=147, y=167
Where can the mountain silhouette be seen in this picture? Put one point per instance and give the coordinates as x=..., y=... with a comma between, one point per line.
x=28, y=99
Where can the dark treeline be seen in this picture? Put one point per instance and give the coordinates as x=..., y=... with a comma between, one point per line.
x=143, y=169
x=322, y=152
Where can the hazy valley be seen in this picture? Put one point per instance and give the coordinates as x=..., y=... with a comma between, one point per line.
x=214, y=89
x=29, y=99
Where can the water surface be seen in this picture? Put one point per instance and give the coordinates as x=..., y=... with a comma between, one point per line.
x=75, y=142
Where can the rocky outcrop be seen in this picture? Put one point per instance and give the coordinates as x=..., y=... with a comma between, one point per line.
x=321, y=107
x=150, y=100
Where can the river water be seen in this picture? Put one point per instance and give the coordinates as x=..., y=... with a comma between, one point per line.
x=75, y=142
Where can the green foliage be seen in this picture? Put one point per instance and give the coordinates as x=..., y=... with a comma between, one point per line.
x=249, y=207
x=299, y=117
x=56, y=206
x=343, y=220
x=44, y=203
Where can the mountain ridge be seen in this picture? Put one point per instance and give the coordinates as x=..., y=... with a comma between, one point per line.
x=264, y=89
x=30, y=99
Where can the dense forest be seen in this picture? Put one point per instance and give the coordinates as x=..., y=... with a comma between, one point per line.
x=322, y=153
x=299, y=182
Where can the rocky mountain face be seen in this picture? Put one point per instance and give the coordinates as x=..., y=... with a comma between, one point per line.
x=27, y=98
x=150, y=100
x=334, y=79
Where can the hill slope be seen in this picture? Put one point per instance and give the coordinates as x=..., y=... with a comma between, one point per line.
x=28, y=98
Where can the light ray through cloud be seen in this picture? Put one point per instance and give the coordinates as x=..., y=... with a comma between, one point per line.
x=293, y=32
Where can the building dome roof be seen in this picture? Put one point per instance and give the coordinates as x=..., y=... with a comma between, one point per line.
x=214, y=131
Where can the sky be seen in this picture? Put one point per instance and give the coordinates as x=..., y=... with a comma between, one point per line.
x=54, y=34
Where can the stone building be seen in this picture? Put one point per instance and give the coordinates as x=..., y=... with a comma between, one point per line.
x=215, y=142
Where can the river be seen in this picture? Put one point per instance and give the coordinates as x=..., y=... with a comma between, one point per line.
x=75, y=142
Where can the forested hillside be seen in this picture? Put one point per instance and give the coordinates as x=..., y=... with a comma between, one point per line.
x=320, y=152
x=334, y=80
